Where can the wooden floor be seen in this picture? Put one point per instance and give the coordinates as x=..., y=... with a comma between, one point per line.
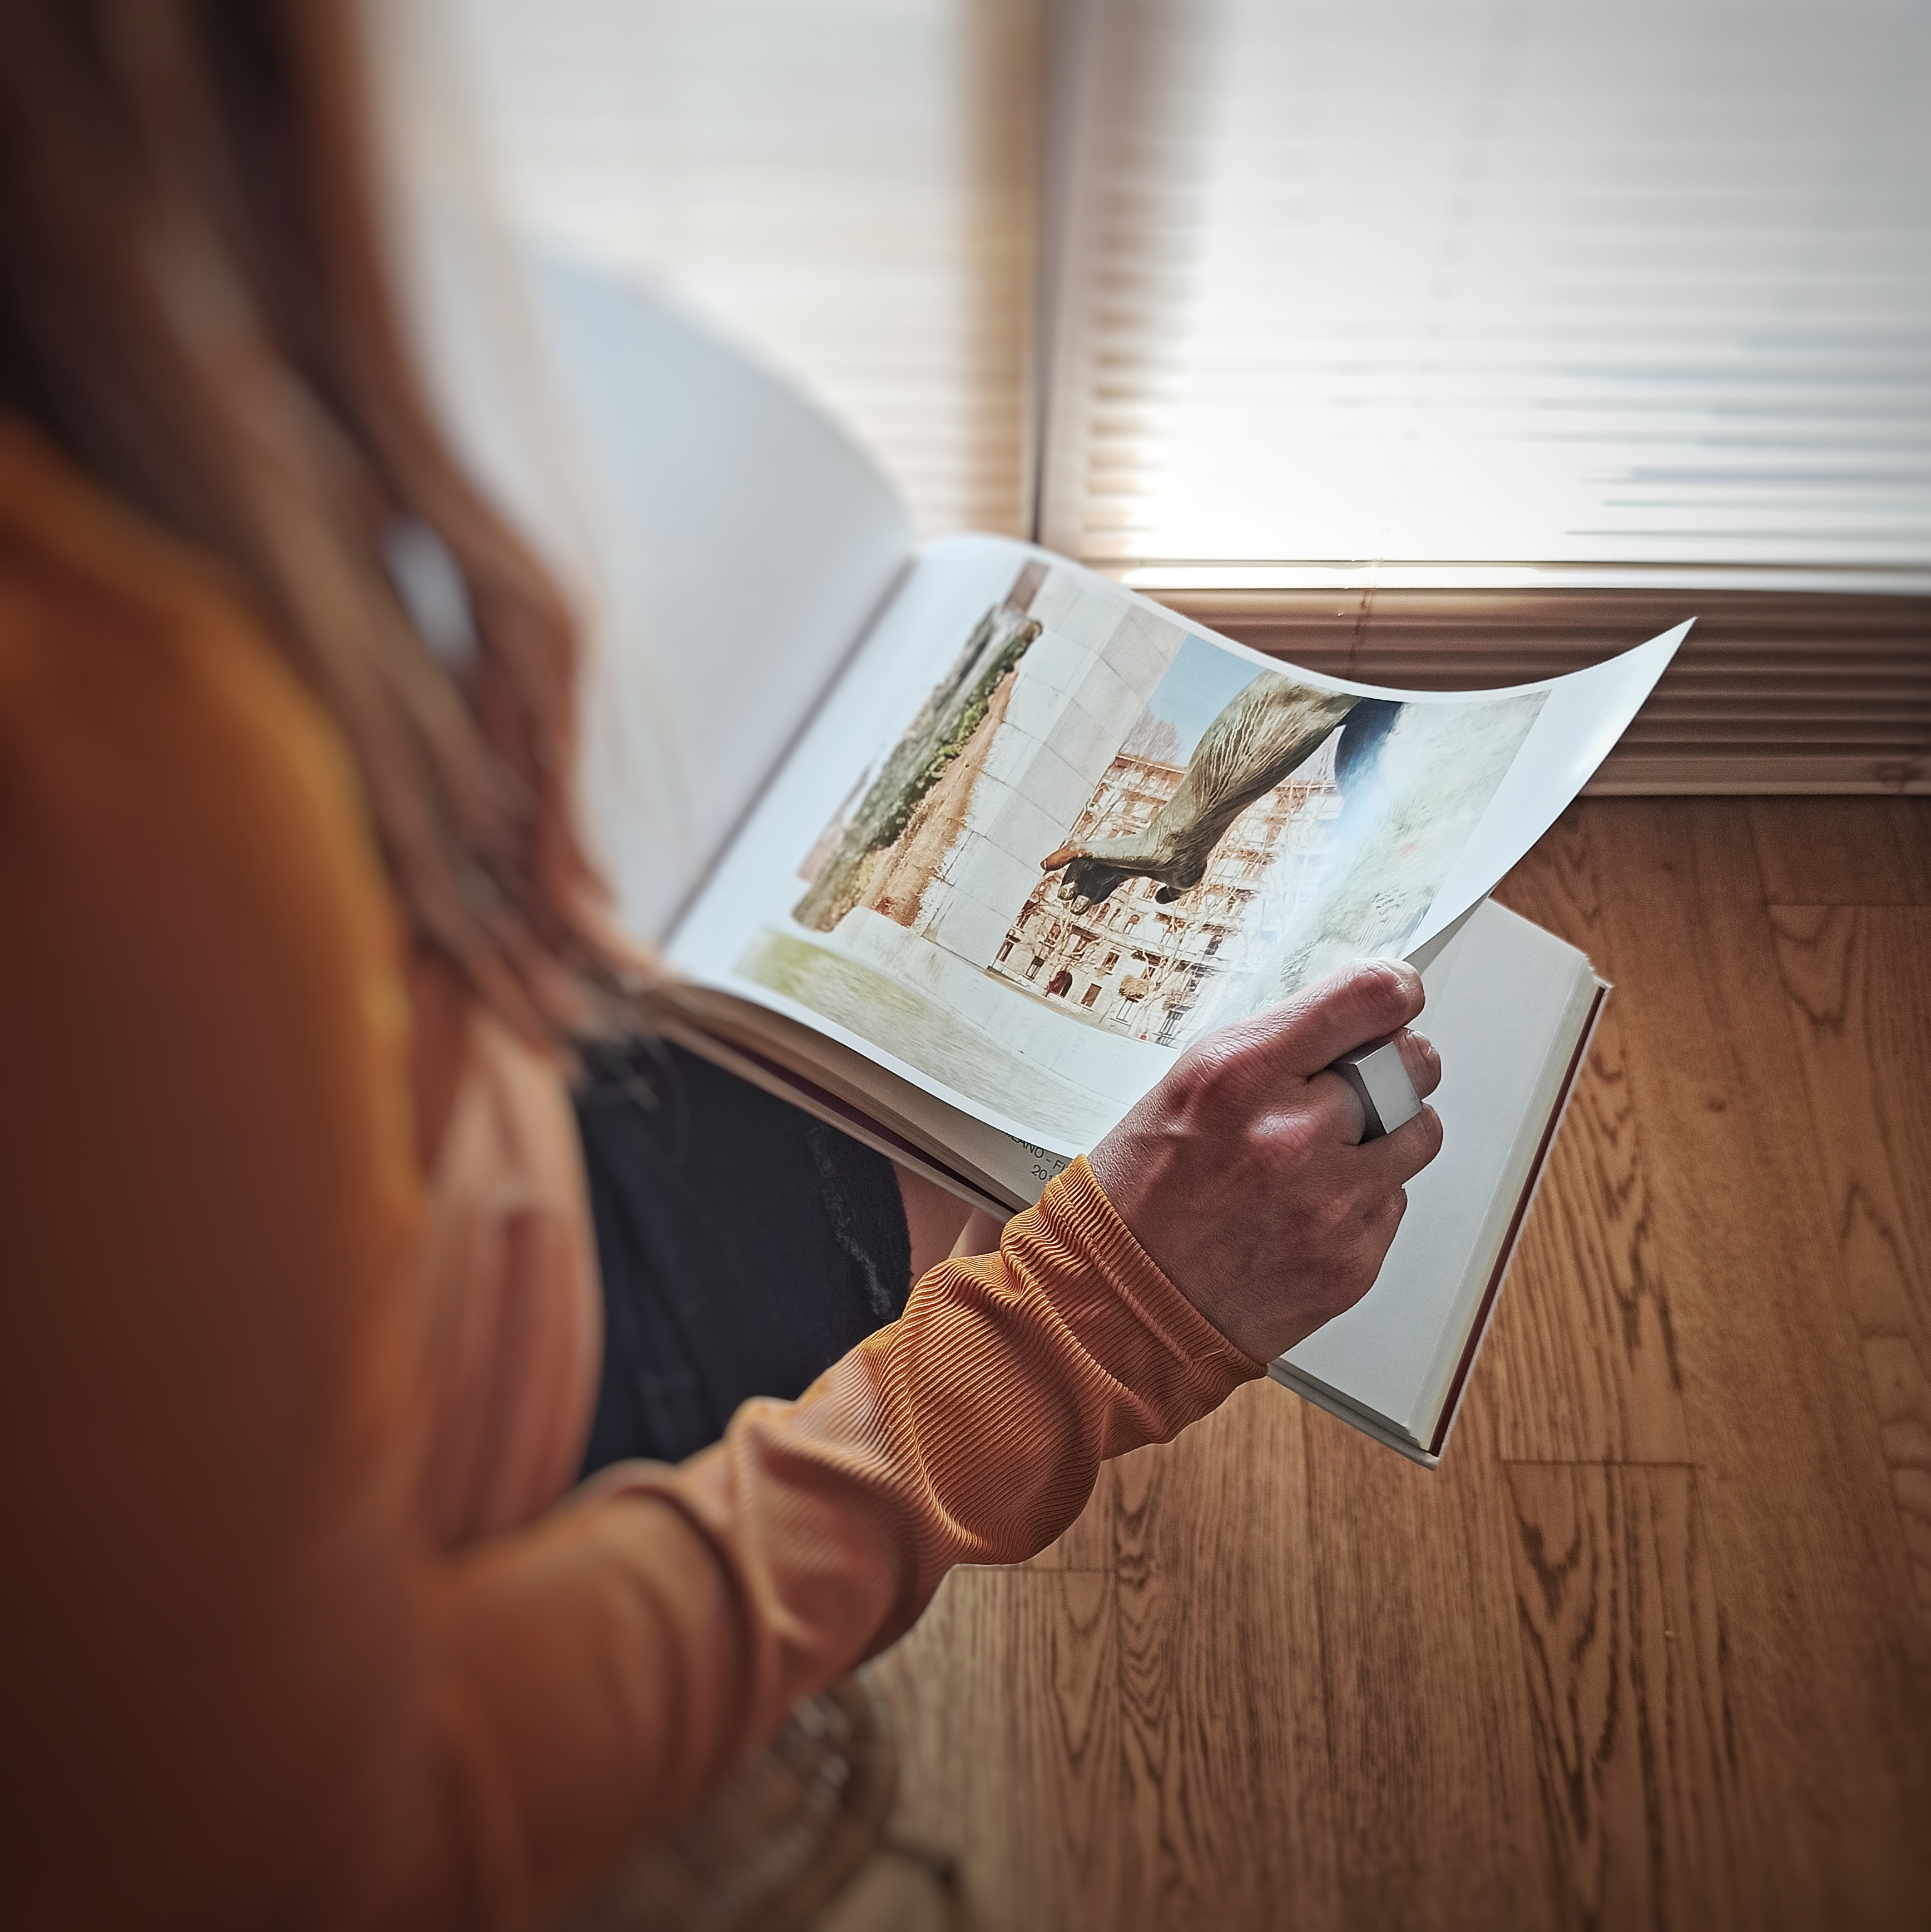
x=1654, y=1646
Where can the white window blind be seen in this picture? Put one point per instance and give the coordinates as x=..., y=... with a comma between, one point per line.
x=846, y=185
x=1496, y=281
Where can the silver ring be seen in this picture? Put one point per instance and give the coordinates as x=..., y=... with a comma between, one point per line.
x=1381, y=1084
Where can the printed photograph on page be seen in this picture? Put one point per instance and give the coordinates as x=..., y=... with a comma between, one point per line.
x=1100, y=827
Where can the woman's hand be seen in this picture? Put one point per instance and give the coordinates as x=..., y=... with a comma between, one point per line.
x=1243, y=1174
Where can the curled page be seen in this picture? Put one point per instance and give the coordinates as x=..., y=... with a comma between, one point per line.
x=725, y=543
x=1045, y=834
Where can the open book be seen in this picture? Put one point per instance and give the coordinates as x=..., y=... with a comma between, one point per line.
x=961, y=846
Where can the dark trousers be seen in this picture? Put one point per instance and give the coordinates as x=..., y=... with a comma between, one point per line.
x=744, y=1246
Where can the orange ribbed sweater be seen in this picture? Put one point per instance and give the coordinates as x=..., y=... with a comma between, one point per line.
x=300, y=1337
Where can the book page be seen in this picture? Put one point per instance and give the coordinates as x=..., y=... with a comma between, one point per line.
x=727, y=543
x=1044, y=834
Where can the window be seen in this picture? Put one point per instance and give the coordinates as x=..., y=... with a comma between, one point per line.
x=1641, y=284
x=846, y=187
x=1575, y=320
x=1092, y=994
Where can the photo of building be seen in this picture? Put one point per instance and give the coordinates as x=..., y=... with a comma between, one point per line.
x=1138, y=966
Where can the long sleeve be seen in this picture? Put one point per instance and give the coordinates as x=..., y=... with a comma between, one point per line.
x=628, y=1647
x=246, y=1684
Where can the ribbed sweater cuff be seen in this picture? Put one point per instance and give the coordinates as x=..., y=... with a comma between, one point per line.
x=1075, y=1208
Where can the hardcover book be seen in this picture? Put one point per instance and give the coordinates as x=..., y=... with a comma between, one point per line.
x=959, y=845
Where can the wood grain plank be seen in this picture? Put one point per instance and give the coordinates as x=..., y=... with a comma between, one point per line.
x=1437, y=1820
x=1843, y=851
x=1227, y=1812
x=1818, y=1601
x=1622, y=1645
x=1494, y=1759
x=1583, y=1353
x=1583, y=1350
x=1005, y=1700
x=1857, y=980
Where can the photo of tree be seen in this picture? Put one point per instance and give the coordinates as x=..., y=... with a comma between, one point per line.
x=886, y=849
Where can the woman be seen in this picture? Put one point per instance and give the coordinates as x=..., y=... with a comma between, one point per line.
x=306, y=1623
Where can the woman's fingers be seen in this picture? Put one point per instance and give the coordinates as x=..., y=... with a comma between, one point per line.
x=1337, y=1106
x=1336, y=1102
x=1361, y=1003
x=1391, y=1162
x=1422, y=1063
x=1240, y=1172
x=1261, y=1059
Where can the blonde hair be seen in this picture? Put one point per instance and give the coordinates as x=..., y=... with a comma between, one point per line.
x=193, y=305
